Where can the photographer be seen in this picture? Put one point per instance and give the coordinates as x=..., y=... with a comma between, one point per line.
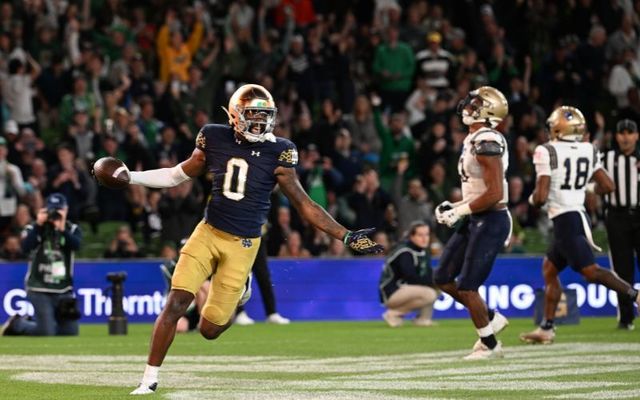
x=50, y=244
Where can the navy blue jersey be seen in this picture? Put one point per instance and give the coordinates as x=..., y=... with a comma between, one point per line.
x=243, y=178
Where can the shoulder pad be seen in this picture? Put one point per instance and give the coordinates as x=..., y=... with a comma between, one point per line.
x=488, y=148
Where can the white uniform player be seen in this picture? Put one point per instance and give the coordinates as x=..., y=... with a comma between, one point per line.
x=468, y=256
x=564, y=167
x=570, y=165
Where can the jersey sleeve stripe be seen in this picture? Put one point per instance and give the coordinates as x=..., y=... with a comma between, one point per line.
x=553, y=156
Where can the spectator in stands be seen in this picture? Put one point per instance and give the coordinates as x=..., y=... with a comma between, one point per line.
x=123, y=245
x=369, y=201
x=293, y=247
x=18, y=91
x=362, y=127
x=11, y=188
x=173, y=53
x=394, y=66
x=79, y=98
x=11, y=250
x=412, y=206
x=406, y=283
x=68, y=179
x=336, y=249
x=180, y=208
x=435, y=64
x=396, y=141
x=625, y=76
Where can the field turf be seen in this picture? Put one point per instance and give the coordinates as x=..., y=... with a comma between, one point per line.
x=328, y=360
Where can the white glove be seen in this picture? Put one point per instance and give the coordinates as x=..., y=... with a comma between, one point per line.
x=442, y=207
x=450, y=217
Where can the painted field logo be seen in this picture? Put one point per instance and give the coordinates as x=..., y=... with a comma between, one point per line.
x=561, y=371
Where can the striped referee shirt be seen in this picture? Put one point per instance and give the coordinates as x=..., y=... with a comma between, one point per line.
x=624, y=172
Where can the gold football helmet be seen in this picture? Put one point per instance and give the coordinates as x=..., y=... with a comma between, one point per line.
x=485, y=104
x=566, y=122
x=252, y=113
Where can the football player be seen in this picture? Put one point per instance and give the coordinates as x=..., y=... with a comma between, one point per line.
x=246, y=161
x=564, y=167
x=482, y=219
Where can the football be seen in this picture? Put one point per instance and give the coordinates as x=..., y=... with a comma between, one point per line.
x=111, y=172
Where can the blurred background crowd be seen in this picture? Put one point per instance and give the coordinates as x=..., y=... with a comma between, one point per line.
x=366, y=89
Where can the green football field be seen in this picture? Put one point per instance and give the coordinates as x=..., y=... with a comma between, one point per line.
x=328, y=360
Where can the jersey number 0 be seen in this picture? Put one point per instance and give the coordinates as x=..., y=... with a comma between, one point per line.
x=234, y=188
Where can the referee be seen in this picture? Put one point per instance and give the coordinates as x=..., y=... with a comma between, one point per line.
x=623, y=211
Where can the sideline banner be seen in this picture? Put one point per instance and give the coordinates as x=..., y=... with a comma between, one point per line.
x=307, y=289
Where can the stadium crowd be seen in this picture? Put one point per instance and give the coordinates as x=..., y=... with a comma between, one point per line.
x=367, y=90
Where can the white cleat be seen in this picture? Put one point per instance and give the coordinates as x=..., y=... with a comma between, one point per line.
x=539, y=336
x=145, y=389
x=498, y=323
x=244, y=319
x=485, y=353
x=277, y=319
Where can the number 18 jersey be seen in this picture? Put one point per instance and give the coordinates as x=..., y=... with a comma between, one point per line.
x=243, y=178
x=570, y=165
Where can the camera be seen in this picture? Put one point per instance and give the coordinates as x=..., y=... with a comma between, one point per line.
x=53, y=215
x=116, y=277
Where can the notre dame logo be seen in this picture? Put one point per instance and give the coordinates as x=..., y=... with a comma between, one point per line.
x=290, y=156
x=201, y=141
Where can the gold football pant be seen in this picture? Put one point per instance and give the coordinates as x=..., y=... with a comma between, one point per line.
x=229, y=258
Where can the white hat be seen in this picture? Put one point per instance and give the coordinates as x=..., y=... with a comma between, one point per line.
x=11, y=126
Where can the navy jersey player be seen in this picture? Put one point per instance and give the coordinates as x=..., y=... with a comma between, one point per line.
x=246, y=161
x=564, y=166
x=469, y=254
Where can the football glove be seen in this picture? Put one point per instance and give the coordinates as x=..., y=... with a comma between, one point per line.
x=442, y=207
x=360, y=242
x=452, y=216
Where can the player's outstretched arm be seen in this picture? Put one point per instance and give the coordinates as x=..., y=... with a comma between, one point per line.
x=312, y=212
x=169, y=177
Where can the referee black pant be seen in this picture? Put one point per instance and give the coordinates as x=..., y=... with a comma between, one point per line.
x=623, y=230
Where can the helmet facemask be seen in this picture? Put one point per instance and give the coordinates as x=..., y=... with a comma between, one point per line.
x=253, y=123
x=252, y=113
x=489, y=109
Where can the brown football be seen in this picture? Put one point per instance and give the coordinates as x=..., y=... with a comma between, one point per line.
x=111, y=172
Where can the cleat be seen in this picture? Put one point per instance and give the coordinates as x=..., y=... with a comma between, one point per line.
x=424, y=322
x=498, y=323
x=277, y=319
x=626, y=327
x=145, y=389
x=485, y=353
x=539, y=336
x=392, y=321
x=243, y=319
x=8, y=328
